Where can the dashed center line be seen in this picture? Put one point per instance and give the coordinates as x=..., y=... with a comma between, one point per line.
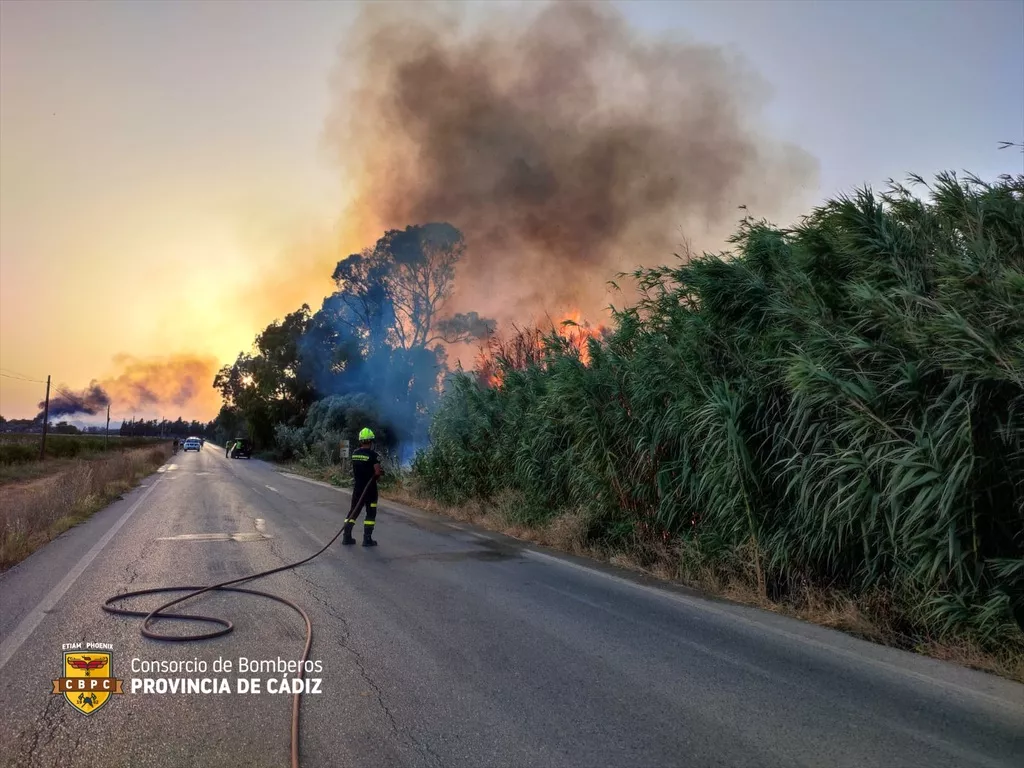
x=272, y=488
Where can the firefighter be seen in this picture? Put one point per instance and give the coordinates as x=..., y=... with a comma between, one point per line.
x=366, y=469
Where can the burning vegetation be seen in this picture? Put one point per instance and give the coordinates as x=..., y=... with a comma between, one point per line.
x=564, y=145
x=504, y=169
x=859, y=379
x=533, y=346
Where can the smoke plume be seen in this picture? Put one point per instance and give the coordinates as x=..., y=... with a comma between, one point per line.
x=566, y=146
x=144, y=385
x=91, y=400
x=177, y=380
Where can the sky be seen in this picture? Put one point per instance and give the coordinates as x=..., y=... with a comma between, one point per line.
x=163, y=164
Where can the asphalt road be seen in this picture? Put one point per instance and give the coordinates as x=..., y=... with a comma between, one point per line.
x=446, y=646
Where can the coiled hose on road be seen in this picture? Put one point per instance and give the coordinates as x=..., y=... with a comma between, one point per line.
x=227, y=626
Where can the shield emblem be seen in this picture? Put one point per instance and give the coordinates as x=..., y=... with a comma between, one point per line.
x=88, y=679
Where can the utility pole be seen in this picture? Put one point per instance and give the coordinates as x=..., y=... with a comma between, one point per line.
x=46, y=420
x=106, y=432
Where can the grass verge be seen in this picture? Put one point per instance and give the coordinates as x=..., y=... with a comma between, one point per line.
x=869, y=616
x=34, y=513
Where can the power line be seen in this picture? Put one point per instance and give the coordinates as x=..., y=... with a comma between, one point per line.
x=20, y=378
x=16, y=373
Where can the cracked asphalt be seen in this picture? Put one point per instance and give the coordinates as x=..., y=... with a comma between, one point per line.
x=447, y=646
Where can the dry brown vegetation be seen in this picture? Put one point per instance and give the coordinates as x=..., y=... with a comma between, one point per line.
x=33, y=513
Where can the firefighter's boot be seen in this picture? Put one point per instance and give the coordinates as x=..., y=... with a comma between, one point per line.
x=368, y=537
x=346, y=534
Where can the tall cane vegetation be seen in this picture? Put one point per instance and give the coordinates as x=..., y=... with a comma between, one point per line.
x=840, y=404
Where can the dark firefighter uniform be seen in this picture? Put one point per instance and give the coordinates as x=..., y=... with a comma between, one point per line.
x=366, y=468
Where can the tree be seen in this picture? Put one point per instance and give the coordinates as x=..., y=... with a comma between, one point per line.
x=381, y=331
x=273, y=385
x=379, y=334
x=396, y=292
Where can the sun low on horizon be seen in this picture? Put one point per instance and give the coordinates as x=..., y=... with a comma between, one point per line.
x=170, y=180
x=141, y=219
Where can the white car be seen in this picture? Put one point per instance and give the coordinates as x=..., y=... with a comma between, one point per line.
x=193, y=444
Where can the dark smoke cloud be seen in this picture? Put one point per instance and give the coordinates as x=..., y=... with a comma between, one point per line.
x=91, y=400
x=566, y=146
x=144, y=384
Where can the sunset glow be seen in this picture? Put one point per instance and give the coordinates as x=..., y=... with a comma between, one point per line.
x=166, y=196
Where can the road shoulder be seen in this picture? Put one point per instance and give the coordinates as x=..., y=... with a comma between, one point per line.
x=951, y=678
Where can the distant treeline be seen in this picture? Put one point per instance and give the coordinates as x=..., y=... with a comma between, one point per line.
x=179, y=428
x=132, y=428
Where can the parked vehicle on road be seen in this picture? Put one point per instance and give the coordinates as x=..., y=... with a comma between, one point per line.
x=193, y=444
x=242, y=448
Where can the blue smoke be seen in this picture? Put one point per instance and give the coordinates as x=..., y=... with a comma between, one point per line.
x=376, y=339
x=363, y=377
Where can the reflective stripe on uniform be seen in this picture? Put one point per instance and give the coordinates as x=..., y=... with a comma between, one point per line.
x=369, y=522
x=356, y=456
x=373, y=503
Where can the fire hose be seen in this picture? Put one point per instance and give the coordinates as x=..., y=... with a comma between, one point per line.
x=227, y=626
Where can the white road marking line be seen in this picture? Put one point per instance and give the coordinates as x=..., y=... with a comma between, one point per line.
x=28, y=625
x=394, y=505
x=260, y=524
x=240, y=536
x=705, y=605
x=273, y=488
x=315, y=482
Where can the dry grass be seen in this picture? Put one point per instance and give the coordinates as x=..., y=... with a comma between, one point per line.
x=868, y=618
x=26, y=473
x=34, y=513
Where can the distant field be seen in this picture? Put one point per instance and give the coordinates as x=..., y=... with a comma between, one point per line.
x=39, y=500
x=19, y=453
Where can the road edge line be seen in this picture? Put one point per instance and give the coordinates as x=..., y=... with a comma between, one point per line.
x=708, y=604
x=31, y=622
x=392, y=506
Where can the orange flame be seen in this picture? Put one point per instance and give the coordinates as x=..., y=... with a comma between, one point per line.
x=526, y=346
x=577, y=331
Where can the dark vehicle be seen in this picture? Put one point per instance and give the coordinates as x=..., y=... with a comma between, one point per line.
x=241, y=448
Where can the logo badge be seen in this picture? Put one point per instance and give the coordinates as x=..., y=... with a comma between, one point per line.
x=88, y=681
